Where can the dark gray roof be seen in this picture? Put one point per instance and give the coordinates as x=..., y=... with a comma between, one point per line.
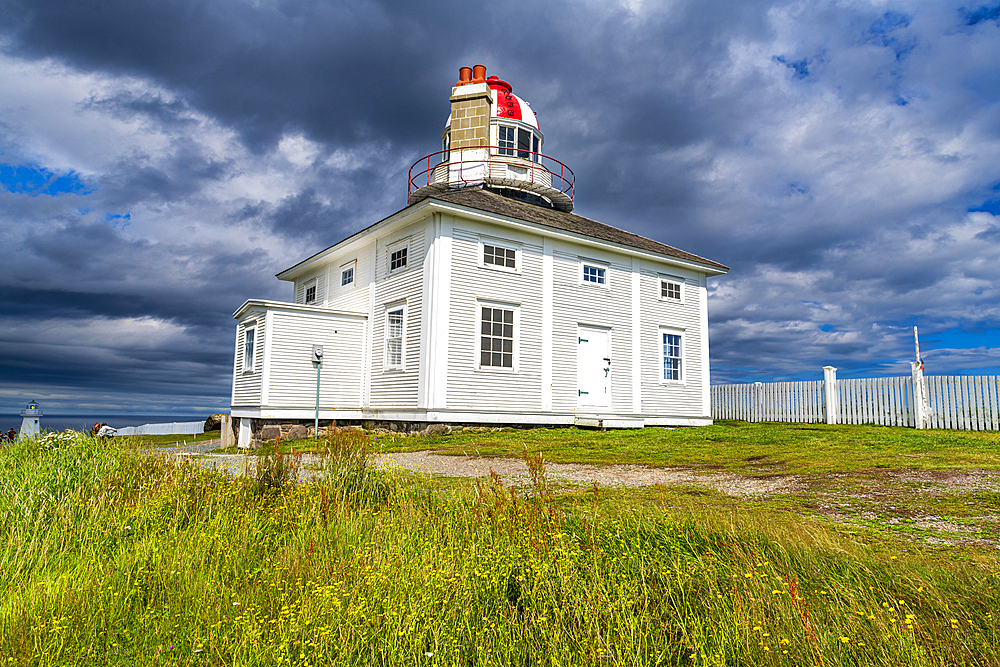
x=490, y=202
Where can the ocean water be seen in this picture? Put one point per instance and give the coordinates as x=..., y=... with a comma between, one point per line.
x=85, y=422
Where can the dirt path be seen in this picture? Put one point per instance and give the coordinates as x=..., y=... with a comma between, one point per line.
x=515, y=472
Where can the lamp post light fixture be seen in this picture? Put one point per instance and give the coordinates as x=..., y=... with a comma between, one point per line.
x=317, y=358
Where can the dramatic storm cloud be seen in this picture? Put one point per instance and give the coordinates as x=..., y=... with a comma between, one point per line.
x=160, y=160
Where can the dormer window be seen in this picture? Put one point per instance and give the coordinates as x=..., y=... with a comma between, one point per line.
x=397, y=259
x=497, y=256
x=592, y=273
x=308, y=294
x=671, y=289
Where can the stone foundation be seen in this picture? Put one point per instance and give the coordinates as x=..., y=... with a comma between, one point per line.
x=265, y=431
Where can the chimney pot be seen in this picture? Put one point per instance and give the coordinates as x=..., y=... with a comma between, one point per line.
x=479, y=74
x=464, y=76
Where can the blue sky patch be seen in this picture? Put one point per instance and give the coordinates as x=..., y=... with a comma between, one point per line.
x=34, y=180
x=982, y=13
x=799, y=67
x=880, y=32
x=992, y=207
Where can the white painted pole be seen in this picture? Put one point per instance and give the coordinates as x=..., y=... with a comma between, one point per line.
x=921, y=397
x=920, y=400
x=830, y=394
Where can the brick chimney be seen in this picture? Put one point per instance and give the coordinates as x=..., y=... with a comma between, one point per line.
x=470, y=109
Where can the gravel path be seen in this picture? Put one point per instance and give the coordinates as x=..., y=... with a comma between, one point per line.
x=512, y=471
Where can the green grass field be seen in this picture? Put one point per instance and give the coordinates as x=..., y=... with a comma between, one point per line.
x=112, y=557
x=726, y=445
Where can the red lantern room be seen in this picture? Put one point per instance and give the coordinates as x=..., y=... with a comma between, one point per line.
x=492, y=140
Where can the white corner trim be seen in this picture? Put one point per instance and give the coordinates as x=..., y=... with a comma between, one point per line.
x=547, y=309
x=705, y=356
x=441, y=294
x=636, y=336
x=236, y=357
x=370, y=352
x=265, y=328
x=326, y=290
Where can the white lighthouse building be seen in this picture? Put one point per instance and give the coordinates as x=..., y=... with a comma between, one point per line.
x=30, y=417
x=485, y=300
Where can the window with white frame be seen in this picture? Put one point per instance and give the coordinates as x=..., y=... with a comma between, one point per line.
x=519, y=141
x=495, y=255
x=397, y=258
x=310, y=292
x=505, y=140
x=249, y=336
x=670, y=289
x=395, y=325
x=496, y=339
x=347, y=275
x=672, y=356
x=593, y=274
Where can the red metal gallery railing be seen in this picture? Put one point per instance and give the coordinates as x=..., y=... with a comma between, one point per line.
x=464, y=166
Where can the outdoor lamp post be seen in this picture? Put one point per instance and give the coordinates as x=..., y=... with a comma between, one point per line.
x=317, y=358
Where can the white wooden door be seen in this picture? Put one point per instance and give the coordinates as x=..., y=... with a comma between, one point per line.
x=593, y=367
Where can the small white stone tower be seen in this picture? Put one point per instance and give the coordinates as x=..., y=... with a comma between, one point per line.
x=492, y=139
x=29, y=422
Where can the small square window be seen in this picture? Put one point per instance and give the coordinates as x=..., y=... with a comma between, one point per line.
x=397, y=259
x=496, y=341
x=310, y=294
x=497, y=256
x=594, y=274
x=347, y=277
x=670, y=290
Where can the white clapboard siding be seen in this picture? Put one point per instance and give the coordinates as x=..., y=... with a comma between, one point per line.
x=352, y=297
x=683, y=399
x=472, y=388
x=302, y=282
x=970, y=403
x=575, y=304
x=394, y=388
x=291, y=382
x=247, y=382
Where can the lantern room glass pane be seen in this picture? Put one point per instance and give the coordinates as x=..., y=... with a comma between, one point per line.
x=505, y=140
x=523, y=143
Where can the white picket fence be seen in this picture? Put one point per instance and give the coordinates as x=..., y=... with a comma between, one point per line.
x=970, y=403
x=171, y=428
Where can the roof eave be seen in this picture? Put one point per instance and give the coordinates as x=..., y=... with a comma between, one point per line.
x=398, y=216
x=707, y=269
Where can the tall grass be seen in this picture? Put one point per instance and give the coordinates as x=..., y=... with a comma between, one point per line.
x=110, y=557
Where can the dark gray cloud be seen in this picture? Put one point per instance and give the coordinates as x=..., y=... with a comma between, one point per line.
x=841, y=158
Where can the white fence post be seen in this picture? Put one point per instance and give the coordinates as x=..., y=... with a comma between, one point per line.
x=921, y=400
x=758, y=393
x=830, y=394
